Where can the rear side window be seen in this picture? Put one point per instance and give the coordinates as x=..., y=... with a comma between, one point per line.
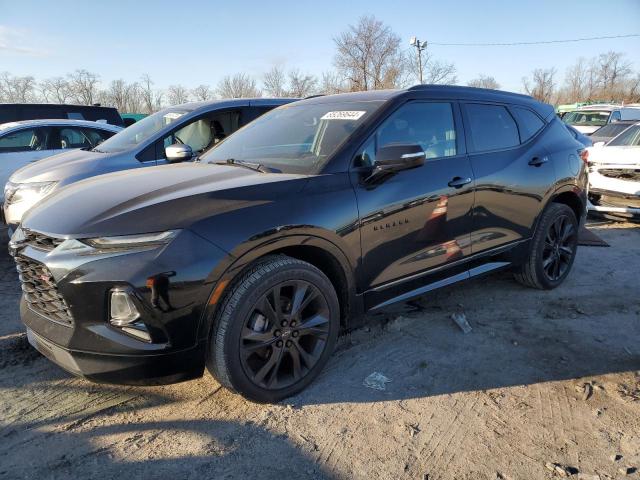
x=492, y=127
x=528, y=122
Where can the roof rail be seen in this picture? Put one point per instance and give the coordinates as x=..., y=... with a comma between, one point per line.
x=314, y=96
x=462, y=88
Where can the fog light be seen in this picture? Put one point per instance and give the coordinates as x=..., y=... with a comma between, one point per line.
x=123, y=310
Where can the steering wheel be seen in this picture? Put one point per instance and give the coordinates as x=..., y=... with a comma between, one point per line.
x=178, y=139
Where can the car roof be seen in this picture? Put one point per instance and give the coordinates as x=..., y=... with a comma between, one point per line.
x=450, y=92
x=61, y=122
x=230, y=103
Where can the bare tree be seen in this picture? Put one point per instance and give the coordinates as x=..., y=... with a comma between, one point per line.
x=117, y=94
x=577, y=82
x=541, y=85
x=331, y=84
x=368, y=55
x=15, y=89
x=239, y=85
x=55, y=90
x=150, y=99
x=484, y=81
x=612, y=70
x=301, y=85
x=83, y=86
x=433, y=71
x=177, y=94
x=202, y=93
x=274, y=82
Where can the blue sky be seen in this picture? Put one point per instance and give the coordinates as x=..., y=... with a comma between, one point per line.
x=193, y=42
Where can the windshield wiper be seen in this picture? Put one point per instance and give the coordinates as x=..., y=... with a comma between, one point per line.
x=256, y=167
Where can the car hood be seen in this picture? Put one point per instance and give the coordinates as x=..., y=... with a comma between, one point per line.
x=155, y=199
x=614, y=155
x=58, y=167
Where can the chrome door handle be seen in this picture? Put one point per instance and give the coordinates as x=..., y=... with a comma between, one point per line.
x=458, y=182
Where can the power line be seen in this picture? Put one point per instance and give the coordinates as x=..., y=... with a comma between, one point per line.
x=541, y=42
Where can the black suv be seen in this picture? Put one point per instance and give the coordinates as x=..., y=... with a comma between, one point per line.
x=251, y=260
x=14, y=112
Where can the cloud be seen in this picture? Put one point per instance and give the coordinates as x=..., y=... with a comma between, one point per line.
x=13, y=41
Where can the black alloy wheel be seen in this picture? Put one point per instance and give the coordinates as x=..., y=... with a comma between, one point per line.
x=275, y=329
x=559, y=247
x=552, y=249
x=285, y=334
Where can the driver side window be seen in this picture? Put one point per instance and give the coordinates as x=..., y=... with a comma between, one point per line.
x=429, y=125
x=203, y=133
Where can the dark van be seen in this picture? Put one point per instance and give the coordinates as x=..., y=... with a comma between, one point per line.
x=14, y=112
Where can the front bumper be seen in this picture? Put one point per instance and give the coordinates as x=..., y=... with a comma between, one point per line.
x=87, y=344
x=123, y=369
x=616, y=195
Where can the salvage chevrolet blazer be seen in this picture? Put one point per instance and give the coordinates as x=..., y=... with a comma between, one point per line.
x=250, y=261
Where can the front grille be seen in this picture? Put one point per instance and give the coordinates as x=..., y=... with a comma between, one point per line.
x=40, y=241
x=40, y=291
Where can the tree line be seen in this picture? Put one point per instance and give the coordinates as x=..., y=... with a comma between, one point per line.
x=368, y=56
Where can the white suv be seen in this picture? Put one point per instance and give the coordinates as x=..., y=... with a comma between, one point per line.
x=589, y=118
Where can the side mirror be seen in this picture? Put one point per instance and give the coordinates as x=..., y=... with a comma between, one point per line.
x=394, y=158
x=598, y=144
x=178, y=152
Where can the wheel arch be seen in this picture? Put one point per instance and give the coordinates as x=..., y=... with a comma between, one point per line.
x=319, y=252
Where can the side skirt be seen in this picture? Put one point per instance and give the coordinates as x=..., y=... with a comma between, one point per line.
x=473, y=272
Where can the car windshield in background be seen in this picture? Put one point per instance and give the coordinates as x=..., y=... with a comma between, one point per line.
x=294, y=138
x=591, y=118
x=140, y=131
x=629, y=138
x=611, y=130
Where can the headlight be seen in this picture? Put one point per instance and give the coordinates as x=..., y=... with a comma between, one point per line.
x=127, y=242
x=27, y=192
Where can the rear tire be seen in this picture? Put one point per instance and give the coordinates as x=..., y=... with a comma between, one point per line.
x=553, y=249
x=275, y=330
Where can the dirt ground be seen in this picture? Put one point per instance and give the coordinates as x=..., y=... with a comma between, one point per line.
x=546, y=385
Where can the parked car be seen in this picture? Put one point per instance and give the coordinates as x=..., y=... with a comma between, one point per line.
x=22, y=143
x=585, y=140
x=15, y=112
x=590, y=118
x=610, y=130
x=193, y=126
x=251, y=260
x=614, y=176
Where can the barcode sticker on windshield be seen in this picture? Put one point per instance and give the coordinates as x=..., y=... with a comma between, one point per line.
x=343, y=115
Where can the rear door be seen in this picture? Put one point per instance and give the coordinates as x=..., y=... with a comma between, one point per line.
x=419, y=219
x=513, y=172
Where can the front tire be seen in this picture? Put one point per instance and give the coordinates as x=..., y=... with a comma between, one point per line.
x=553, y=249
x=275, y=329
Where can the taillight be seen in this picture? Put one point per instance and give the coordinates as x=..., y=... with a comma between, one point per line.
x=584, y=155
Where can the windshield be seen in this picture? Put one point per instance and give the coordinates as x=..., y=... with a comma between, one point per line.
x=591, y=118
x=140, y=131
x=629, y=138
x=294, y=138
x=611, y=130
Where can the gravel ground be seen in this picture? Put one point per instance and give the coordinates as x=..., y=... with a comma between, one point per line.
x=546, y=385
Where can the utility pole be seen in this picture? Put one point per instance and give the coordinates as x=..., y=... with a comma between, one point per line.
x=420, y=46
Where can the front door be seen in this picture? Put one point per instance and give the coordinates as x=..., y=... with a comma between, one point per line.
x=418, y=219
x=18, y=148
